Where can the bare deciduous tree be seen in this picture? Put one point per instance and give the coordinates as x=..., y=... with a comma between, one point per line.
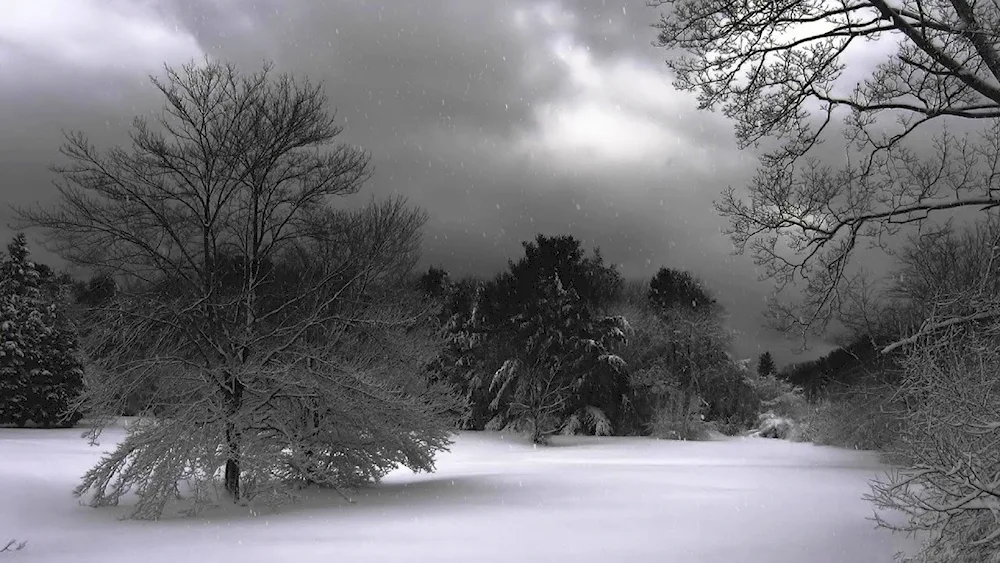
x=949, y=483
x=257, y=309
x=697, y=341
x=778, y=70
x=947, y=448
x=948, y=278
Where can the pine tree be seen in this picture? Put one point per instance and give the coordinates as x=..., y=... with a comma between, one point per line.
x=765, y=365
x=469, y=351
x=40, y=375
x=562, y=368
x=670, y=289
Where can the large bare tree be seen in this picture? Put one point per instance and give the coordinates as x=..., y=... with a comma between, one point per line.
x=778, y=69
x=261, y=315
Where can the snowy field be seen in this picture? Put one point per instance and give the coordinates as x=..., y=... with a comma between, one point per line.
x=494, y=498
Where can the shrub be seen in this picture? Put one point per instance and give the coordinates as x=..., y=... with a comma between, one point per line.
x=863, y=418
x=782, y=407
x=770, y=425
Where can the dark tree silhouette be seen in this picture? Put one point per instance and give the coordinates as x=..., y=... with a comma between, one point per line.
x=765, y=365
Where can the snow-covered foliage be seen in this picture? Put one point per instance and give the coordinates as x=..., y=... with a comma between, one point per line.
x=559, y=367
x=589, y=419
x=339, y=414
x=783, y=408
x=770, y=425
x=532, y=349
x=41, y=376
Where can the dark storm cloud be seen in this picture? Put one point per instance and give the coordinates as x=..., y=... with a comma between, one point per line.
x=501, y=119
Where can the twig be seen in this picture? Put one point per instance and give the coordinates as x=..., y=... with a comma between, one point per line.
x=14, y=545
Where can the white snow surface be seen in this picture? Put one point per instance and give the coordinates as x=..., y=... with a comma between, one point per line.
x=494, y=497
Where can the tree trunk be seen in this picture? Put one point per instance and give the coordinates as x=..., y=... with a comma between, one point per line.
x=536, y=430
x=686, y=414
x=233, y=437
x=233, y=469
x=233, y=463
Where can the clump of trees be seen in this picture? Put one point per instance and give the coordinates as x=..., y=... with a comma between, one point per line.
x=41, y=375
x=559, y=343
x=691, y=353
x=271, y=333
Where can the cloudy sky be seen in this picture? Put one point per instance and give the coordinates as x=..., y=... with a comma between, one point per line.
x=502, y=119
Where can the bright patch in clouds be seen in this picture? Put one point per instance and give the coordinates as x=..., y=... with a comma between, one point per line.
x=92, y=35
x=593, y=129
x=609, y=112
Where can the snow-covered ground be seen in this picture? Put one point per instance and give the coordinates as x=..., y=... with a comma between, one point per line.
x=494, y=498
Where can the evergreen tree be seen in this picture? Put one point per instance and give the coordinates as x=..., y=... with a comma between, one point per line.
x=458, y=361
x=671, y=288
x=484, y=324
x=765, y=365
x=40, y=375
x=434, y=282
x=505, y=308
x=562, y=372
x=563, y=256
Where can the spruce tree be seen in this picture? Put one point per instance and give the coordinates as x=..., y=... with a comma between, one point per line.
x=40, y=374
x=563, y=375
x=470, y=354
x=765, y=365
x=673, y=289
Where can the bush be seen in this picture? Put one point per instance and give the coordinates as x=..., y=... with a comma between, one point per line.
x=783, y=409
x=865, y=418
x=791, y=404
x=770, y=425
